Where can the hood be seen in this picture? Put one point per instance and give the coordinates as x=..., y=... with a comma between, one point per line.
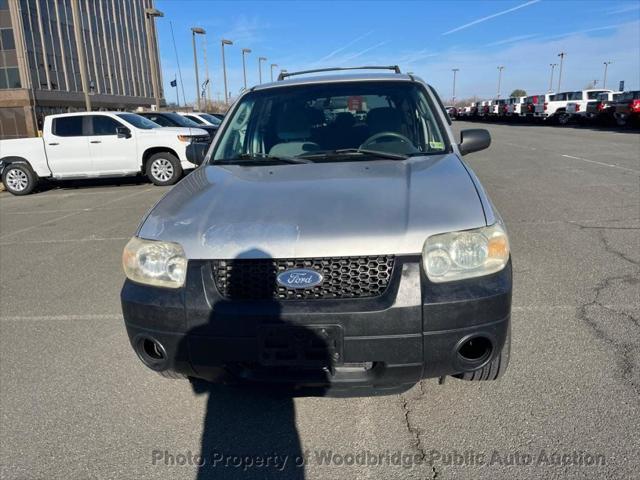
x=316, y=210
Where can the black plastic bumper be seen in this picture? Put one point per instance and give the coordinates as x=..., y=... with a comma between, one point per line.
x=347, y=346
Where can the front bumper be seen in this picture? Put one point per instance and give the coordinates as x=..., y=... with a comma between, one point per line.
x=376, y=346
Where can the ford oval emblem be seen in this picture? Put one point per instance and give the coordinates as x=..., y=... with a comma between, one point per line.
x=299, y=278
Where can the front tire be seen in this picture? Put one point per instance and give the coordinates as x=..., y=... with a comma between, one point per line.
x=163, y=169
x=19, y=179
x=564, y=118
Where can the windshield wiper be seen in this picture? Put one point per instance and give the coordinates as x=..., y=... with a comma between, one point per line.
x=358, y=151
x=255, y=157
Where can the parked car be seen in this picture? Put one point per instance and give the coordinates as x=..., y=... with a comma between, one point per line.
x=173, y=119
x=484, y=109
x=514, y=106
x=627, y=108
x=452, y=112
x=497, y=107
x=599, y=110
x=279, y=262
x=541, y=105
x=202, y=118
x=96, y=144
x=527, y=110
x=219, y=116
x=578, y=102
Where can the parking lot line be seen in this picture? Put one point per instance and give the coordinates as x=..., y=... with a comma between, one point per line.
x=65, y=240
x=40, y=318
x=53, y=220
x=601, y=163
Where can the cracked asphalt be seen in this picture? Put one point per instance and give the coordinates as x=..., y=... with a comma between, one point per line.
x=76, y=403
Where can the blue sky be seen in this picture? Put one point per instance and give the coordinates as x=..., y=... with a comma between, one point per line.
x=427, y=38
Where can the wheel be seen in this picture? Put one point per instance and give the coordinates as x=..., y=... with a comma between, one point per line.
x=621, y=121
x=563, y=118
x=495, y=368
x=164, y=169
x=19, y=179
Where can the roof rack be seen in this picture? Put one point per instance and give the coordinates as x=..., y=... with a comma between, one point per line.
x=284, y=75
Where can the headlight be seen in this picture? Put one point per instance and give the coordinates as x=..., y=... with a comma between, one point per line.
x=185, y=138
x=151, y=262
x=467, y=254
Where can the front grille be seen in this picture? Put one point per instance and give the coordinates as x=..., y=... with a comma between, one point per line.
x=343, y=277
x=200, y=139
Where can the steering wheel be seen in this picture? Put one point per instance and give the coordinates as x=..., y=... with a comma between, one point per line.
x=372, y=140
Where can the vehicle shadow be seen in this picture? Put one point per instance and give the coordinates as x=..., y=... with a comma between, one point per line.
x=46, y=186
x=249, y=429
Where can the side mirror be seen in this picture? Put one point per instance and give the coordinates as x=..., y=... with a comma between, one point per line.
x=474, y=139
x=123, y=132
x=196, y=152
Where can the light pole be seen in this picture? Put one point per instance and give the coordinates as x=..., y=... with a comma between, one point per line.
x=196, y=31
x=604, y=80
x=224, y=42
x=260, y=60
x=553, y=66
x=244, y=66
x=152, y=13
x=207, y=82
x=453, y=97
x=561, y=55
x=273, y=65
x=500, y=68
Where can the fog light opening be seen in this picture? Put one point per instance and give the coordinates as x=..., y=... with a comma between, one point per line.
x=475, y=350
x=152, y=353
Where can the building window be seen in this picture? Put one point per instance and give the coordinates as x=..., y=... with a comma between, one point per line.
x=4, y=4
x=9, y=78
x=6, y=37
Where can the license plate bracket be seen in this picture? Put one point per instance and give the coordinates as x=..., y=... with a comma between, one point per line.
x=301, y=346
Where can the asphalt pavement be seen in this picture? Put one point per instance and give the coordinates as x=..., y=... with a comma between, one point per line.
x=76, y=403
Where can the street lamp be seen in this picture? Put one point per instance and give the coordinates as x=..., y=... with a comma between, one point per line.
x=500, y=68
x=453, y=98
x=224, y=70
x=260, y=60
x=244, y=66
x=152, y=13
x=196, y=31
x=553, y=66
x=561, y=55
x=273, y=65
x=604, y=80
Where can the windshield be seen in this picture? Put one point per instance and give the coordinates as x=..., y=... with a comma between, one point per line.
x=575, y=96
x=138, y=121
x=316, y=121
x=210, y=118
x=180, y=120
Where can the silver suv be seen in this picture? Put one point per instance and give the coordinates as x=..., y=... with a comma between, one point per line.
x=332, y=241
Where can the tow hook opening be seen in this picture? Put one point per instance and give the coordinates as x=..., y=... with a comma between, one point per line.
x=475, y=351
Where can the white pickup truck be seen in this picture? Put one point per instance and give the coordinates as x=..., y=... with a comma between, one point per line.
x=97, y=144
x=578, y=102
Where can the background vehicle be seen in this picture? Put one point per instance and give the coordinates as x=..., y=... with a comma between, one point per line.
x=172, y=119
x=96, y=144
x=484, y=108
x=219, y=116
x=452, y=112
x=627, y=108
x=497, y=107
x=202, y=118
x=578, y=102
x=514, y=106
x=600, y=110
x=540, y=105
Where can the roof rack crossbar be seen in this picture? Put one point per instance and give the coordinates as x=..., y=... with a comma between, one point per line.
x=284, y=75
